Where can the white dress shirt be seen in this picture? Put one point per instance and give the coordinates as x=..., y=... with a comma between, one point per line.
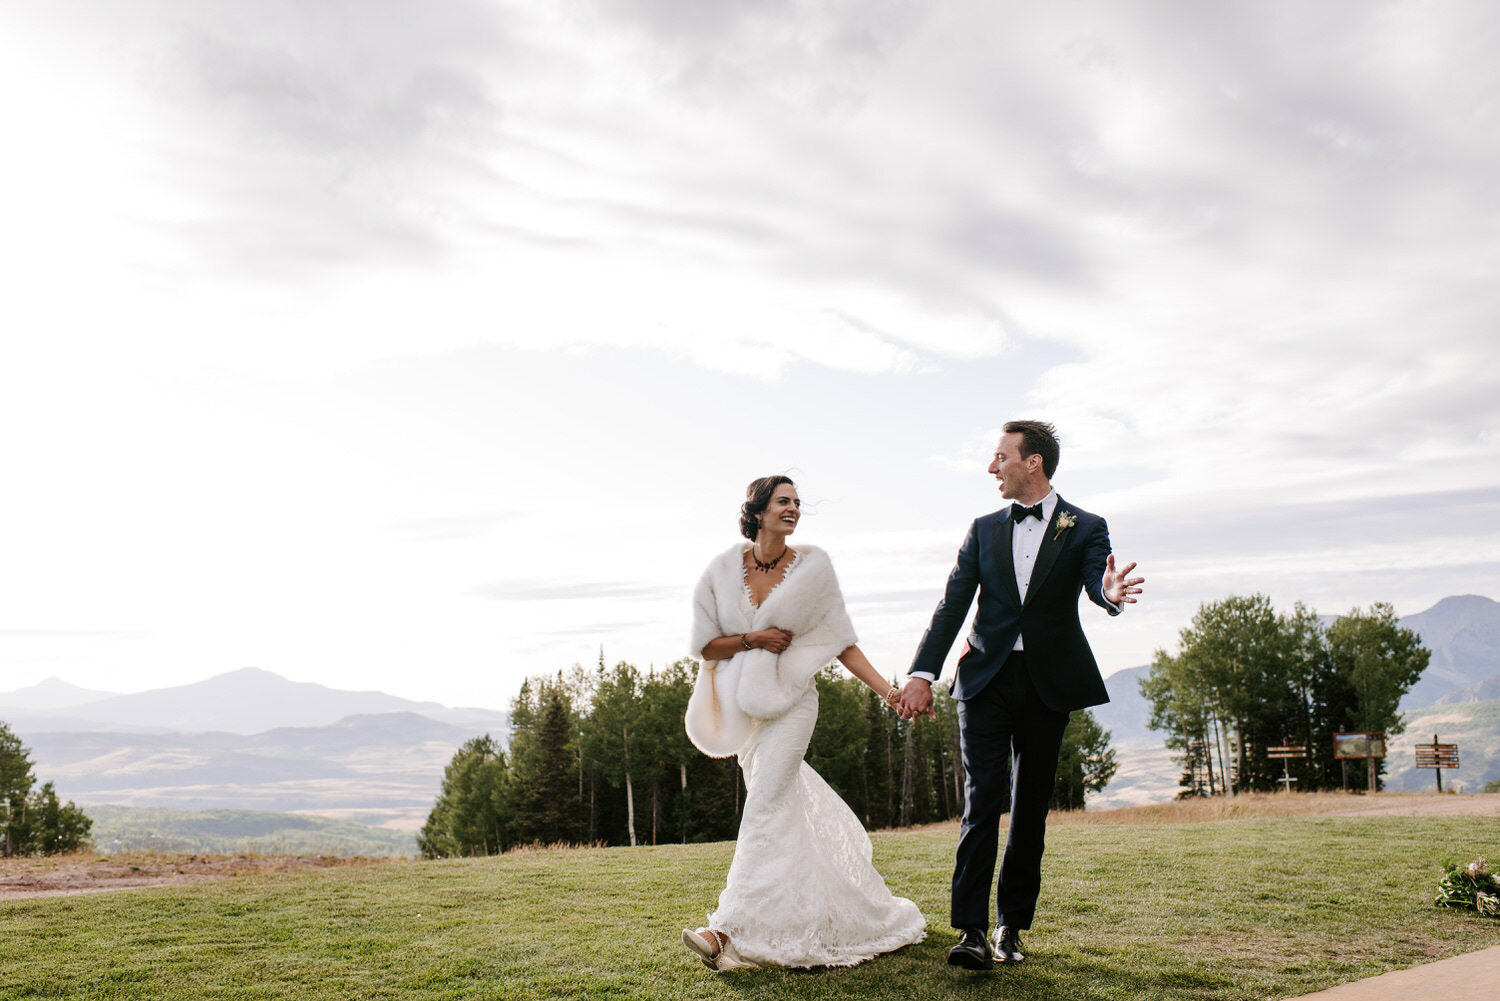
x=1026, y=538
x=1025, y=542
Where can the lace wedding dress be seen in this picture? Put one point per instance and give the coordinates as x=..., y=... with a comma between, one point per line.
x=802, y=890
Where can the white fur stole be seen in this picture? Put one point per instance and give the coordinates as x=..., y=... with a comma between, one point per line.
x=758, y=684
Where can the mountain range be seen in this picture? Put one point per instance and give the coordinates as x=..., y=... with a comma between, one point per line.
x=1463, y=634
x=50, y=695
x=382, y=769
x=246, y=701
x=246, y=740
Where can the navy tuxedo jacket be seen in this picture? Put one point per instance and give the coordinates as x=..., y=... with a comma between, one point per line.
x=1058, y=657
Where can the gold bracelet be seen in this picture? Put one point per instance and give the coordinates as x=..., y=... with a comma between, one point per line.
x=745, y=641
x=890, y=696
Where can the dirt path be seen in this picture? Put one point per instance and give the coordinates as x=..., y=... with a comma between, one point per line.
x=1423, y=804
x=1249, y=806
x=87, y=873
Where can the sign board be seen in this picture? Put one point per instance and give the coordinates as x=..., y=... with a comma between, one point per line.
x=1437, y=755
x=1449, y=763
x=1285, y=753
x=1359, y=745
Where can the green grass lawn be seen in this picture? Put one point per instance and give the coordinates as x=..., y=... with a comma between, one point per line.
x=1236, y=909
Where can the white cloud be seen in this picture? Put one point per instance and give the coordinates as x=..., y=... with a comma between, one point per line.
x=298, y=285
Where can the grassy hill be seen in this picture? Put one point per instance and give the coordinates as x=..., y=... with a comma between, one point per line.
x=1226, y=910
x=134, y=829
x=389, y=765
x=1473, y=726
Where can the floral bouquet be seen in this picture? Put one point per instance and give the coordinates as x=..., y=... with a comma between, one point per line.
x=1472, y=887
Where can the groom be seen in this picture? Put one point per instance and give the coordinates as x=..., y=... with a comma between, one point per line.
x=1025, y=667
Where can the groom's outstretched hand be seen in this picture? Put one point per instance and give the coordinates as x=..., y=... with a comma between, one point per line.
x=1118, y=585
x=915, y=699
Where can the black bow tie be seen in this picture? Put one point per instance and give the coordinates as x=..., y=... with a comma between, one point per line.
x=1019, y=514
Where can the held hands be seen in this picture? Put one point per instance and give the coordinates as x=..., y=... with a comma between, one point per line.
x=774, y=640
x=915, y=699
x=1117, y=587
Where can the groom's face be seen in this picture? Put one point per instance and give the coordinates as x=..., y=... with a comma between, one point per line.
x=1014, y=473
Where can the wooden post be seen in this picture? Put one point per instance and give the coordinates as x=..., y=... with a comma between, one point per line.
x=1437, y=757
x=1286, y=752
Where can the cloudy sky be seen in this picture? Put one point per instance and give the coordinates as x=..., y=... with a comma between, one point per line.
x=424, y=346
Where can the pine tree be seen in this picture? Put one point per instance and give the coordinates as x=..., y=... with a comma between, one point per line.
x=611, y=738
x=666, y=750
x=1246, y=678
x=15, y=786
x=836, y=749
x=1085, y=764
x=34, y=822
x=1378, y=662
x=474, y=813
x=56, y=827
x=550, y=809
x=879, y=781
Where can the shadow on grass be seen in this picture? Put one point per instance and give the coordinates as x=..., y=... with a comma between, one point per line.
x=921, y=973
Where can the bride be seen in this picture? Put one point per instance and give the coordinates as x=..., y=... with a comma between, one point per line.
x=801, y=890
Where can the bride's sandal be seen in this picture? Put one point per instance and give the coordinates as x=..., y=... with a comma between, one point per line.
x=705, y=943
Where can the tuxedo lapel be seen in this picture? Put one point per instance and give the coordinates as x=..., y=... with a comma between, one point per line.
x=1047, y=554
x=1005, y=556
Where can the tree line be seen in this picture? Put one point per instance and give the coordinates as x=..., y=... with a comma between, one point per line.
x=35, y=822
x=1247, y=677
x=600, y=757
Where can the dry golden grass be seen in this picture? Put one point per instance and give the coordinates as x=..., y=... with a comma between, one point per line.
x=1251, y=806
x=1258, y=805
x=537, y=846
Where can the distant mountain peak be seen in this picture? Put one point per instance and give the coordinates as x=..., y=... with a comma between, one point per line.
x=51, y=693
x=1464, y=603
x=1463, y=633
x=254, y=674
x=52, y=683
x=245, y=700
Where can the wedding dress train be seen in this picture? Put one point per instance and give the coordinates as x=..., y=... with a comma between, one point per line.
x=802, y=890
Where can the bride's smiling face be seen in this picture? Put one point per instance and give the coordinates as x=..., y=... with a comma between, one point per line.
x=783, y=512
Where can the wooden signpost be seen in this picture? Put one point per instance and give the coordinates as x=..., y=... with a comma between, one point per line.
x=1358, y=745
x=1437, y=757
x=1286, y=752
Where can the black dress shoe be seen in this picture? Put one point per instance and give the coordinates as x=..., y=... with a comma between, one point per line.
x=972, y=951
x=1008, y=945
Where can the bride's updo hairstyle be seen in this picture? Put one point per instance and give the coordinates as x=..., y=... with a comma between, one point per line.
x=757, y=499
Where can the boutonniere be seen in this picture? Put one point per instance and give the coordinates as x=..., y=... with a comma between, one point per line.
x=1065, y=521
